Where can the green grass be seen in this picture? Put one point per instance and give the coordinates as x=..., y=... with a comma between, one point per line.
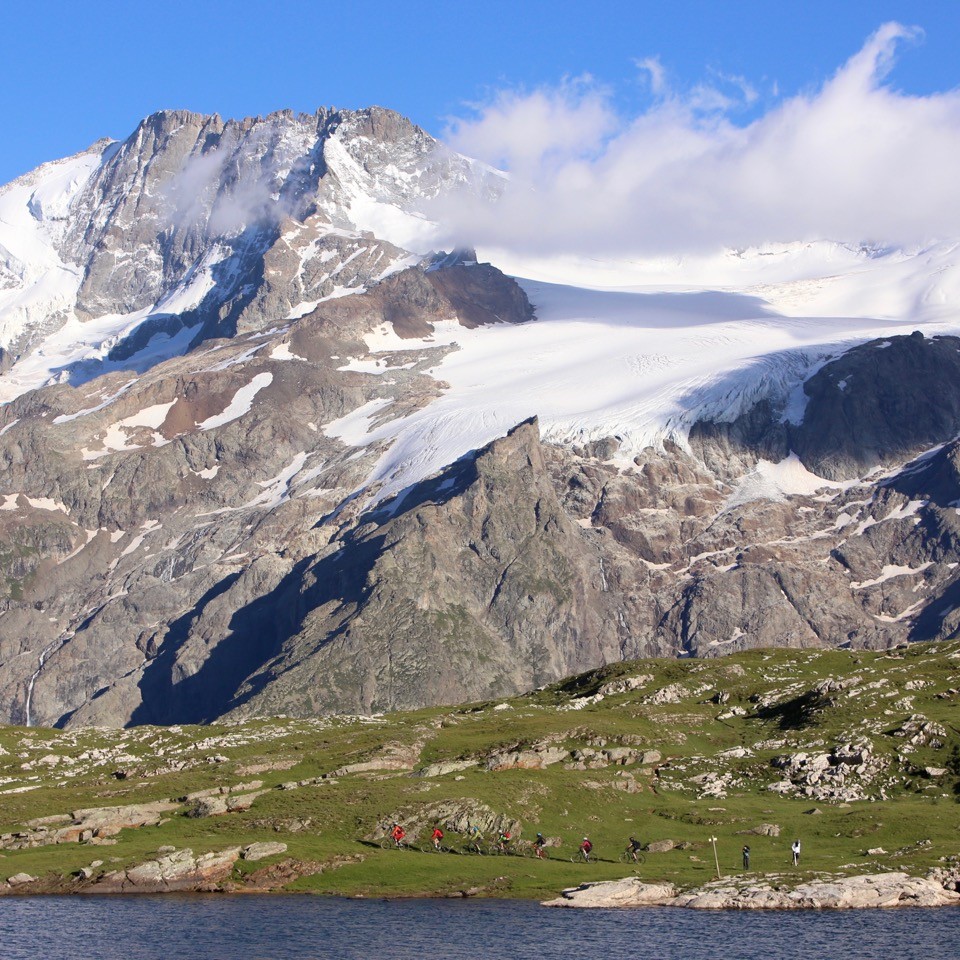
x=911, y=816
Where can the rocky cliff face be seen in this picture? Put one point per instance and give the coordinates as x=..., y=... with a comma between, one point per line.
x=176, y=556
x=474, y=584
x=156, y=528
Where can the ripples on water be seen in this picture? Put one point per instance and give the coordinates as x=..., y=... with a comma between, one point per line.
x=314, y=928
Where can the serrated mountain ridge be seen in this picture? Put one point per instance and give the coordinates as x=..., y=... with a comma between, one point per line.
x=177, y=220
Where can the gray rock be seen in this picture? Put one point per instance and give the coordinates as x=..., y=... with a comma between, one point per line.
x=765, y=830
x=391, y=756
x=535, y=758
x=660, y=846
x=93, y=825
x=842, y=435
x=180, y=870
x=216, y=806
x=19, y=879
x=625, y=684
x=630, y=892
x=262, y=850
x=443, y=768
x=860, y=892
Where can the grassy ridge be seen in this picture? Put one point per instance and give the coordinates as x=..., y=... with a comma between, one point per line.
x=879, y=701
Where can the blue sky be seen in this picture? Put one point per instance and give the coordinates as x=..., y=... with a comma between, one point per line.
x=73, y=72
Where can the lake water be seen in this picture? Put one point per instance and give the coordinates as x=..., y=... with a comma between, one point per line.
x=310, y=928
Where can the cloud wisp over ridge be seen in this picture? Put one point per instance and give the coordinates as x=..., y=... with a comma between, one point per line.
x=855, y=161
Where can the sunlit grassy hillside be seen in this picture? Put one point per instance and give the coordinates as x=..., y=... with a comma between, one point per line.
x=848, y=751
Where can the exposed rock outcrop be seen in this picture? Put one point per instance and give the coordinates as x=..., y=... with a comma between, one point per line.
x=455, y=816
x=861, y=892
x=630, y=892
x=180, y=870
x=846, y=773
x=874, y=405
x=481, y=564
x=92, y=825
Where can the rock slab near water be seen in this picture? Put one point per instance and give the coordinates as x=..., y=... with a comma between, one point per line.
x=868, y=891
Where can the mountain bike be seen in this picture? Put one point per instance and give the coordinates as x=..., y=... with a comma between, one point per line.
x=581, y=857
x=428, y=847
x=388, y=843
x=628, y=856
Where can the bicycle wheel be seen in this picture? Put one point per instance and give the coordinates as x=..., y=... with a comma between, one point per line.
x=543, y=854
x=386, y=843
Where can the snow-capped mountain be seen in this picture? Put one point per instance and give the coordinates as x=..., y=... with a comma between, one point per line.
x=262, y=453
x=194, y=227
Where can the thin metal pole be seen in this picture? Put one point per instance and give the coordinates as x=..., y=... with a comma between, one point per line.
x=716, y=859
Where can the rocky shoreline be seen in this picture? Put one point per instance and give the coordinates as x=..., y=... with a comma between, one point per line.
x=181, y=871
x=868, y=891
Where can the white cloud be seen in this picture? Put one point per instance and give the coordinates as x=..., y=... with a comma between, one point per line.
x=855, y=160
x=747, y=90
x=655, y=73
x=213, y=192
x=524, y=131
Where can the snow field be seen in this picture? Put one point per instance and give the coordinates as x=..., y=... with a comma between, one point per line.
x=639, y=365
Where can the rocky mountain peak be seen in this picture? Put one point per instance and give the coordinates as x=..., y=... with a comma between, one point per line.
x=195, y=223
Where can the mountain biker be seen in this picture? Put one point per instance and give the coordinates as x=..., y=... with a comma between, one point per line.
x=474, y=837
x=585, y=847
x=538, y=844
x=398, y=833
x=436, y=836
x=633, y=848
x=503, y=841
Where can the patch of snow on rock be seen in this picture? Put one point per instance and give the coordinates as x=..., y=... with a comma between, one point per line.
x=888, y=573
x=240, y=404
x=777, y=481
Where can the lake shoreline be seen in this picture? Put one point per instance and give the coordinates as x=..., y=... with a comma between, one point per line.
x=861, y=892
